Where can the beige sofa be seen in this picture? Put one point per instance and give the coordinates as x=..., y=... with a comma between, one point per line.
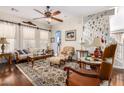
x=21, y=55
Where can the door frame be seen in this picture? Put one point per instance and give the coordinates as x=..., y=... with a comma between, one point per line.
x=58, y=46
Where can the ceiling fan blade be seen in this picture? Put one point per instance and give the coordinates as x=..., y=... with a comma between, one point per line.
x=29, y=23
x=60, y=20
x=38, y=18
x=56, y=13
x=38, y=11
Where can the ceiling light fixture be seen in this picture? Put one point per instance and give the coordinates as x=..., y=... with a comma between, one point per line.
x=48, y=19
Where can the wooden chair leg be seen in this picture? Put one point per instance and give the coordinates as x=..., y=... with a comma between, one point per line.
x=109, y=82
x=67, y=82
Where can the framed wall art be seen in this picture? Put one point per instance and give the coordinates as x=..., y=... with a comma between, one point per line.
x=70, y=35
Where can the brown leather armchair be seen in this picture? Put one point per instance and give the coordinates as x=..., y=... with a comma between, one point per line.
x=92, y=78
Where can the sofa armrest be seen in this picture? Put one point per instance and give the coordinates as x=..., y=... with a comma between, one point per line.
x=17, y=56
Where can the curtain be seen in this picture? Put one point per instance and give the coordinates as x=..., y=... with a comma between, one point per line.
x=8, y=31
x=28, y=37
x=44, y=35
x=44, y=39
x=28, y=33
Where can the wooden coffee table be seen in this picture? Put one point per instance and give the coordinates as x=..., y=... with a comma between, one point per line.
x=32, y=58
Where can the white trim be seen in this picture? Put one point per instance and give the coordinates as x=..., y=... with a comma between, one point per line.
x=117, y=31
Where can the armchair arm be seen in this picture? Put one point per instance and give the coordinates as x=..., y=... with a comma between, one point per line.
x=80, y=73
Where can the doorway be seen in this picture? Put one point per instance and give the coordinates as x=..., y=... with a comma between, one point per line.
x=57, y=42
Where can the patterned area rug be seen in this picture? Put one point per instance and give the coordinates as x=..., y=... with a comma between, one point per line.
x=42, y=74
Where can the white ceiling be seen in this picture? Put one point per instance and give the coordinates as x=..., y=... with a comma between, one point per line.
x=66, y=11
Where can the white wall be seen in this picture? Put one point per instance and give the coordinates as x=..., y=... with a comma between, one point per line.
x=70, y=24
x=117, y=20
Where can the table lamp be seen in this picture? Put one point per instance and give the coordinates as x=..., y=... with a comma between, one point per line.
x=96, y=43
x=3, y=41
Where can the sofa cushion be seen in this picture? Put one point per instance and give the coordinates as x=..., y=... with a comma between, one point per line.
x=20, y=52
x=26, y=51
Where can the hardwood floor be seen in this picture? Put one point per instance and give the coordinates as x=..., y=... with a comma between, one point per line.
x=117, y=77
x=11, y=76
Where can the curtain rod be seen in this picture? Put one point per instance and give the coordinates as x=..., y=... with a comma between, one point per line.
x=24, y=25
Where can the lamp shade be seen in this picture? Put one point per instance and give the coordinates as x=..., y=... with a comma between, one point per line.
x=3, y=40
x=96, y=42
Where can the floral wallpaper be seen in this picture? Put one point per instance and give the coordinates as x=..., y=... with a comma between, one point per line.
x=97, y=25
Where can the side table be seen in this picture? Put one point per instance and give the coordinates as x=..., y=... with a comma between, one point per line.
x=8, y=56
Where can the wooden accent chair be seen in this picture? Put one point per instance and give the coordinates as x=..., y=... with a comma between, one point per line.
x=90, y=77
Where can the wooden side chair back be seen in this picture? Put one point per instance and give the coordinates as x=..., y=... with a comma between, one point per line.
x=108, y=61
x=109, y=52
x=105, y=71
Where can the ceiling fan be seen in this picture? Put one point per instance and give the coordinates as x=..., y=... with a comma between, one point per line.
x=49, y=14
x=29, y=23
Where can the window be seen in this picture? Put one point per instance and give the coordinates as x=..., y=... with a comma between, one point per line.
x=8, y=31
x=44, y=38
x=28, y=37
x=117, y=32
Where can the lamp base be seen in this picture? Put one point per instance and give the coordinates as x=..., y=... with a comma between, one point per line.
x=3, y=48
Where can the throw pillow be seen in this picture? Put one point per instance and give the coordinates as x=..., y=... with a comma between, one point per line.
x=26, y=51
x=20, y=51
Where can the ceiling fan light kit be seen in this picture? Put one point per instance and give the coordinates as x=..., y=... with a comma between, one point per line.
x=48, y=19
